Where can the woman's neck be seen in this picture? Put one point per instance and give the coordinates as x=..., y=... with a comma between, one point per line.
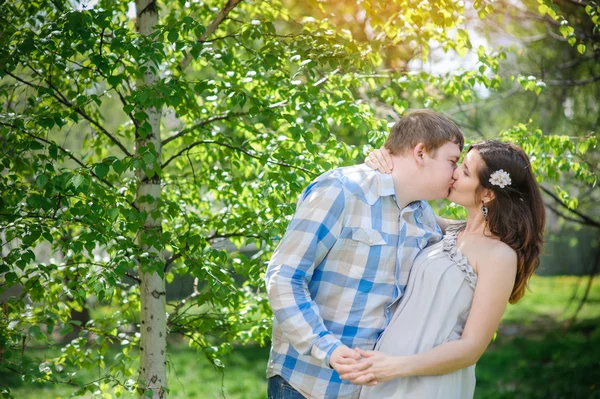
x=475, y=222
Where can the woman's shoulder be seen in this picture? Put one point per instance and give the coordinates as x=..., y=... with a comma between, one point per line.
x=485, y=251
x=491, y=252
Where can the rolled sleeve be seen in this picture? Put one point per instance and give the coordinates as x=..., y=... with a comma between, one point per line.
x=324, y=347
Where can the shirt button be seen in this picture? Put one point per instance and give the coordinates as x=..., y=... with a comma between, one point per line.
x=370, y=241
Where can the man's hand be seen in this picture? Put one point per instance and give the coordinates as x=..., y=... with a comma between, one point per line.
x=348, y=361
x=382, y=367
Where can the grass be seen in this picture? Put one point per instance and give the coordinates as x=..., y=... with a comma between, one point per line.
x=189, y=373
x=538, y=353
x=533, y=355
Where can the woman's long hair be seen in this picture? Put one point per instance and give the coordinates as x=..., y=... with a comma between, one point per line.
x=516, y=215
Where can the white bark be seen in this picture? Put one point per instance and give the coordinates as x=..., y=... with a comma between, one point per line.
x=153, y=345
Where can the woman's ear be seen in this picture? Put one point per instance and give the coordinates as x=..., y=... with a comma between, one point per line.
x=488, y=195
x=419, y=153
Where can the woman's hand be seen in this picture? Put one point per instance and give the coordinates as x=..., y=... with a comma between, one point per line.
x=383, y=368
x=381, y=160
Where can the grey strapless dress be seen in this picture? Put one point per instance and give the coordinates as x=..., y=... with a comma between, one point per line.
x=434, y=310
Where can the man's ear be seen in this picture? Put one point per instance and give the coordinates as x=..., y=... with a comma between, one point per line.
x=488, y=195
x=419, y=153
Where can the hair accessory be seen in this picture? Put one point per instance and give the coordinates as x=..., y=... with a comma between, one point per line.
x=500, y=178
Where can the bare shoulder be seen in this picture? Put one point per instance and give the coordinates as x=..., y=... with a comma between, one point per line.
x=491, y=253
x=502, y=252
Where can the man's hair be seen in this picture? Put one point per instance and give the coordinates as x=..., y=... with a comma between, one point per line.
x=423, y=126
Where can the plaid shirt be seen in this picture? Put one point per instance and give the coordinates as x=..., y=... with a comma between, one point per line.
x=337, y=273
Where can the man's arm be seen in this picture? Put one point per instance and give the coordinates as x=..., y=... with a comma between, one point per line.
x=312, y=232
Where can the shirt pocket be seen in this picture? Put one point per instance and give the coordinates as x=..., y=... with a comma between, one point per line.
x=365, y=254
x=369, y=237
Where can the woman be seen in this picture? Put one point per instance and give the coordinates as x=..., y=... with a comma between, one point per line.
x=459, y=287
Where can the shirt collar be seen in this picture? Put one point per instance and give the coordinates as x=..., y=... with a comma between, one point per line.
x=385, y=187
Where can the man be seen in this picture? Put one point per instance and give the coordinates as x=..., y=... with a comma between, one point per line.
x=342, y=265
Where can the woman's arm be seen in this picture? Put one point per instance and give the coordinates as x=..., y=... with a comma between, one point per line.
x=381, y=160
x=494, y=285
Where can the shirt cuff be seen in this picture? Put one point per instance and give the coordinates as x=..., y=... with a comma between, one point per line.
x=324, y=347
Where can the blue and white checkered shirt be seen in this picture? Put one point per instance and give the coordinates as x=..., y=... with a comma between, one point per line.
x=338, y=273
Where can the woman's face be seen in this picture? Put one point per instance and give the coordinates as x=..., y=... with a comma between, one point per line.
x=466, y=180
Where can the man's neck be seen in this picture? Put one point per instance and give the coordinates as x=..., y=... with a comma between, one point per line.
x=404, y=182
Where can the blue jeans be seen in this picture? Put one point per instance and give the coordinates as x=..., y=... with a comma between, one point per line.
x=279, y=388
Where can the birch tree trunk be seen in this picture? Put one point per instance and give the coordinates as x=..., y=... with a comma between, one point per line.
x=152, y=288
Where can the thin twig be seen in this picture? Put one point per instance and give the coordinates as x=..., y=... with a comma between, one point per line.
x=63, y=100
x=211, y=28
x=586, y=219
x=189, y=147
x=203, y=123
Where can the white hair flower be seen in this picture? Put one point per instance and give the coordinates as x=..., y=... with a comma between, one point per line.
x=500, y=178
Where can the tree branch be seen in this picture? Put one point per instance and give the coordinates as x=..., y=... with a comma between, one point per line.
x=576, y=61
x=562, y=215
x=571, y=82
x=211, y=28
x=251, y=155
x=581, y=3
x=585, y=219
x=175, y=313
x=228, y=235
x=201, y=124
x=501, y=96
x=214, y=236
x=63, y=100
x=131, y=276
x=68, y=153
x=591, y=275
x=171, y=260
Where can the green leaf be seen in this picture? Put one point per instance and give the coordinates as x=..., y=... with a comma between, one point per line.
x=77, y=181
x=199, y=30
x=589, y=10
x=113, y=213
x=101, y=170
x=114, y=80
x=119, y=166
x=35, y=145
x=581, y=48
x=41, y=180
x=583, y=147
x=173, y=35
x=46, y=234
x=148, y=158
x=53, y=151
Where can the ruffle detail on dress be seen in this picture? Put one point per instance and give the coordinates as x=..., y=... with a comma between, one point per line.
x=456, y=256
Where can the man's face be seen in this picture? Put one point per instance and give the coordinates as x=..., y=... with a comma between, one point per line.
x=439, y=170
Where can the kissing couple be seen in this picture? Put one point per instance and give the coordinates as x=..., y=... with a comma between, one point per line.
x=374, y=296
